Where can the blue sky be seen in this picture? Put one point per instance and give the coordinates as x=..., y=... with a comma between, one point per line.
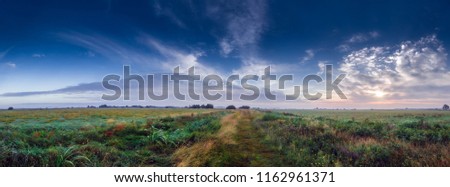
x=52, y=53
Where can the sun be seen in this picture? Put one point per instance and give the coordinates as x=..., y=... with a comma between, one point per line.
x=379, y=93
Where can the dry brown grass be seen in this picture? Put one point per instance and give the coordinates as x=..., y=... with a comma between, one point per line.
x=228, y=129
x=110, y=121
x=194, y=155
x=197, y=154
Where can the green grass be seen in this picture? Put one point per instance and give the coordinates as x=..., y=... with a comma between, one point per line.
x=178, y=137
x=384, y=116
x=395, y=138
x=111, y=137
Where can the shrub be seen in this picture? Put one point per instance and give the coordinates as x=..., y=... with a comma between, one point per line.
x=244, y=107
x=230, y=107
x=270, y=117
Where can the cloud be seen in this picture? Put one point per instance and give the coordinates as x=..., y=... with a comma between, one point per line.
x=411, y=70
x=374, y=34
x=321, y=66
x=357, y=38
x=309, y=55
x=167, y=12
x=150, y=52
x=363, y=37
x=90, y=54
x=37, y=55
x=2, y=54
x=11, y=65
x=344, y=47
x=81, y=88
x=256, y=66
x=244, y=22
x=225, y=47
x=109, y=48
x=174, y=57
x=252, y=66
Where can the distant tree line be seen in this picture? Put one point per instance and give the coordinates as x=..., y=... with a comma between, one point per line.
x=207, y=106
x=232, y=107
x=244, y=107
x=132, y=106
x=196, y=106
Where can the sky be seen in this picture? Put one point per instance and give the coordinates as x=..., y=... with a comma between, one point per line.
x=393, y=53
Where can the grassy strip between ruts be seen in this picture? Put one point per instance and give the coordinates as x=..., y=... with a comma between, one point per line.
x=237, y=143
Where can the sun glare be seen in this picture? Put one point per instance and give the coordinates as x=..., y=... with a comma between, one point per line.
x=379, y=93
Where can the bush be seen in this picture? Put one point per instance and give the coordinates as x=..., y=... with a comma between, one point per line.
x=445, y=107
x=244, y=107
x=270, y=117
x=230, y=107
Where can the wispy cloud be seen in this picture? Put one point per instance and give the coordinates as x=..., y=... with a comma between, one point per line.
x=226, y=47
x=308, y=56
x=244, y=22
x=11, y=65
x=109, y=48
x=357, y=38
x=175, y=57
x=81, y=88
x=150, y=52
x=167, y=12
x=363, y=37
x=321, y=66
x=344, y=47
x=374, y=34
x=4, y=53
x=90, y=54
x=37, y=55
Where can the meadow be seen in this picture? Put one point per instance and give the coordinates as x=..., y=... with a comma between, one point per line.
x=359, y=137
x=215, y=137
x=100, y=137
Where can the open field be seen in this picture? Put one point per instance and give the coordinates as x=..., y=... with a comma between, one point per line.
x=100, y=137
x=382, y=116
x=201, y=137
x=359, y=138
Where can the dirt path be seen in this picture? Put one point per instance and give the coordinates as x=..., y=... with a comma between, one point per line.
x=228, y=128
x=237, y=143
x=250, y=150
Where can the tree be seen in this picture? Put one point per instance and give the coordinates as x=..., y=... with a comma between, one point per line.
x=445, y=107
x=244, y=107
x=230, y=107
x=194, y=106
x=209, y=106
x=103, y=106
x=10, y=108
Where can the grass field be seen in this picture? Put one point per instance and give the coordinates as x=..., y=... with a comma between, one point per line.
x=100, y=137
x=200, y=137
x=359, y=138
